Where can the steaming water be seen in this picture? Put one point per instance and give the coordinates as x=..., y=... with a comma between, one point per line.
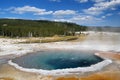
x=2, y=61
x=104, y=41
x=50, y=60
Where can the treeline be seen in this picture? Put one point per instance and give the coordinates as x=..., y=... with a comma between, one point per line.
x=37, y=28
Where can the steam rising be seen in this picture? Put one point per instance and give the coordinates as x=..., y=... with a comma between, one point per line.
x=105, y=41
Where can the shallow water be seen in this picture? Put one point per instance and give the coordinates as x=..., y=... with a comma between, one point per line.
x=50, y=60
x=2, y=61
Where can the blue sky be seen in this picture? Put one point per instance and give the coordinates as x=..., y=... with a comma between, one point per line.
x=83, y=12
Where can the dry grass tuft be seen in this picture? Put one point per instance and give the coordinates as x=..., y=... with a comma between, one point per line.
x=50, y=39
x=70, y=78
x=6, y=79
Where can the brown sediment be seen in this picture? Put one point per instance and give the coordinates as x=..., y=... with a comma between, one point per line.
x=97, y=76
x=103, y=76
x=110, y=55
x=6, y=78
x=8, y=72
x=108, y=75
x=69, y=78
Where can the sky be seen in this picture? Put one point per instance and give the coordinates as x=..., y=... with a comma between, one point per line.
x=82, y=12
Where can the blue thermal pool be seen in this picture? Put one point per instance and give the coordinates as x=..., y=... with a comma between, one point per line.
x=52, y=60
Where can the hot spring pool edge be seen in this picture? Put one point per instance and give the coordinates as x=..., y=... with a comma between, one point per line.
x=95, y=67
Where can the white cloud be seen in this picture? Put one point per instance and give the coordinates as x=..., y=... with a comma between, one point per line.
x=119, y=13
x=113, y=8
x=84, y=18
x=55, y=0
x=62, y=20
x=12, y=18
x=82, y=1
x=97, y=1
x=64, y=12
x=44, y=13
x=81, y=19
x=30, y=9
x=109, y=14
x=98, y=8
x=103, y=17
x=38, y=11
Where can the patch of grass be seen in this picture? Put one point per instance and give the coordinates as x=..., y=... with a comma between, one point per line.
x=50, y=39
x=4, y=37
x=81, y=37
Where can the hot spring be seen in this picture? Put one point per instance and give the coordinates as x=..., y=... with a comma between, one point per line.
x=53, y=60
